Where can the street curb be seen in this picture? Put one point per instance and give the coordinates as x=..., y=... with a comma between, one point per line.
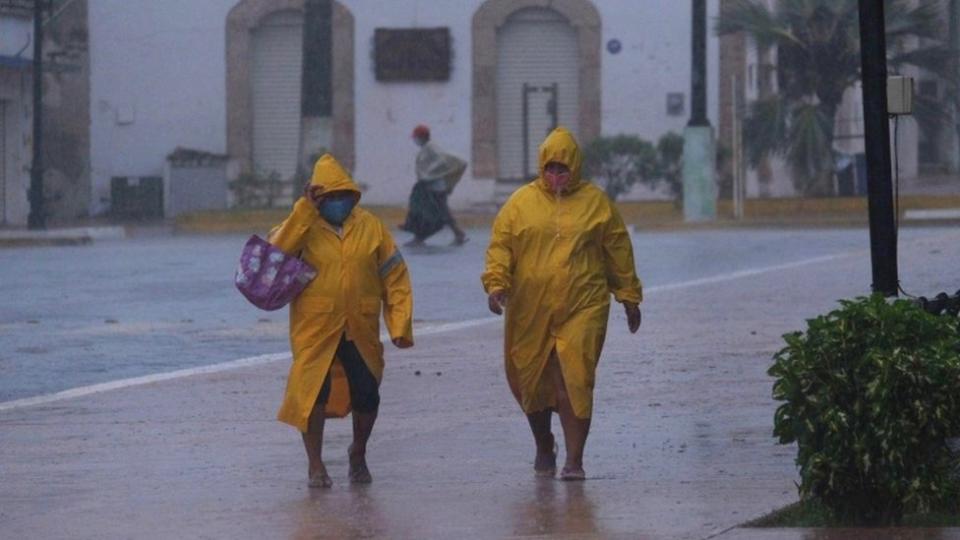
x=73, y=236
x=644, y=215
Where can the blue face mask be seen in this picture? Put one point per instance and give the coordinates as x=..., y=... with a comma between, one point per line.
x=337, y=210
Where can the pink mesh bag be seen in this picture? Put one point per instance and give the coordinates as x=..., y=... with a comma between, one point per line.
x=268, y=277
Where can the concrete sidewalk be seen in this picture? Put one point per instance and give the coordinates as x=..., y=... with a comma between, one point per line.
x=681, y=443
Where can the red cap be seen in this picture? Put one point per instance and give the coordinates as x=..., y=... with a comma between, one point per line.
x=421, y=132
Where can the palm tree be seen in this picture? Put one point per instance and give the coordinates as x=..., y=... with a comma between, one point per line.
x=817, y=47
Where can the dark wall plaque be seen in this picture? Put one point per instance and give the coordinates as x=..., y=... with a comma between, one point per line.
x=675, y=103
x=412, y=54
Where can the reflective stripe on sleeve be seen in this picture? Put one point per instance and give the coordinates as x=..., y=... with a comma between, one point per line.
x=390, y=263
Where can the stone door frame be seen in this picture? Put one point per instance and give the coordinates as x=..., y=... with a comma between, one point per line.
x=243, y=18
x=489, y=17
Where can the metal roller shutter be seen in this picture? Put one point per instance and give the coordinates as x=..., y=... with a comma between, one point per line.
x=537, y=47
x=277, y=72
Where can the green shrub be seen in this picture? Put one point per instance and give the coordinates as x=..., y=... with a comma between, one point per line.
x=620, y=161
x=669, y=167
x=253, y=190
x=871, y=392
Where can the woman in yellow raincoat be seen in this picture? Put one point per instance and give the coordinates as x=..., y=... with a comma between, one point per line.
x=334, y=323
x=558, y=250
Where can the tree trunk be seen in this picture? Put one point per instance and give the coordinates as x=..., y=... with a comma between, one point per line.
x=822, y=185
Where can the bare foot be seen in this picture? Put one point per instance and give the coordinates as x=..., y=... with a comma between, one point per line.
x=545, y=464
x=359, y=473
x=318, y=478
x=572, y=473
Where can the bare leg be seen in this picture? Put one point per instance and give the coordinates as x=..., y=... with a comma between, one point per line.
x=313, y=443
x=545, y=463
x=459, y=237
x=362, y=427
x=575, y=430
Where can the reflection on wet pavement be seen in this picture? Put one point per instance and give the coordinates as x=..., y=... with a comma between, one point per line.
x=553, y=508
x=680, y=446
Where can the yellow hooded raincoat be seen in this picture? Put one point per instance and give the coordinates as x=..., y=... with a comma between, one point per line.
x=358, y=270
x=558, y=258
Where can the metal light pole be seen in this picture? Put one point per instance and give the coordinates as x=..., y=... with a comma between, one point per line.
x=699, y=189
x=37, y=218
x=698, y=70
x=876, y=124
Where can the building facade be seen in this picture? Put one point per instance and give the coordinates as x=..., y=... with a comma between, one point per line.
x=270, y=83
x=748, y=73
x=15, y=115
x=66, y=111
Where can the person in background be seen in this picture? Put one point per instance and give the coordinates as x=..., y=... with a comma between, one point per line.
x=437, y=175
x=557, y=251
x=334, y=322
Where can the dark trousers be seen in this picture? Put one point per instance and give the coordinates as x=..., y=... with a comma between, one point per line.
x=364, y=388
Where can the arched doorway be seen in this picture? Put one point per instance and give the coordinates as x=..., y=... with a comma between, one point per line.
x=538, y=87
x=511, y=23
x=275, y=82
x=260, y=42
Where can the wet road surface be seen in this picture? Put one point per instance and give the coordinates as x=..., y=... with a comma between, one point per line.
x=75, y=316
x=680, y=445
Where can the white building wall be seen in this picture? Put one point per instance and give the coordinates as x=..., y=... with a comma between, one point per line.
x=158, y=81
x=655, y=60
x=386, y=113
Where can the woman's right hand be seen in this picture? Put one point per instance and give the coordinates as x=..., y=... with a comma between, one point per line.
x=497, y=301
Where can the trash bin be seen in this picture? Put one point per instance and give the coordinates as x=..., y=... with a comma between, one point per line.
x=136, y=197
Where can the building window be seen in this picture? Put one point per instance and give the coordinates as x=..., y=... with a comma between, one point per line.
x=412, y=54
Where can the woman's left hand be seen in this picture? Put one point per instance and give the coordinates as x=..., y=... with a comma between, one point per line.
x=633, y=316
x=402, y=343
x=313, y=193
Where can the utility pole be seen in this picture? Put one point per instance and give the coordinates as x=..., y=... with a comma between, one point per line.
x=698, y=71
x=37, y=218
x=699, y=189
x=876, y=123
x=954, y=71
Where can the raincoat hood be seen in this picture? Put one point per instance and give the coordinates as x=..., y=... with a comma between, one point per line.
x=331, y=176
x=560, y=146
